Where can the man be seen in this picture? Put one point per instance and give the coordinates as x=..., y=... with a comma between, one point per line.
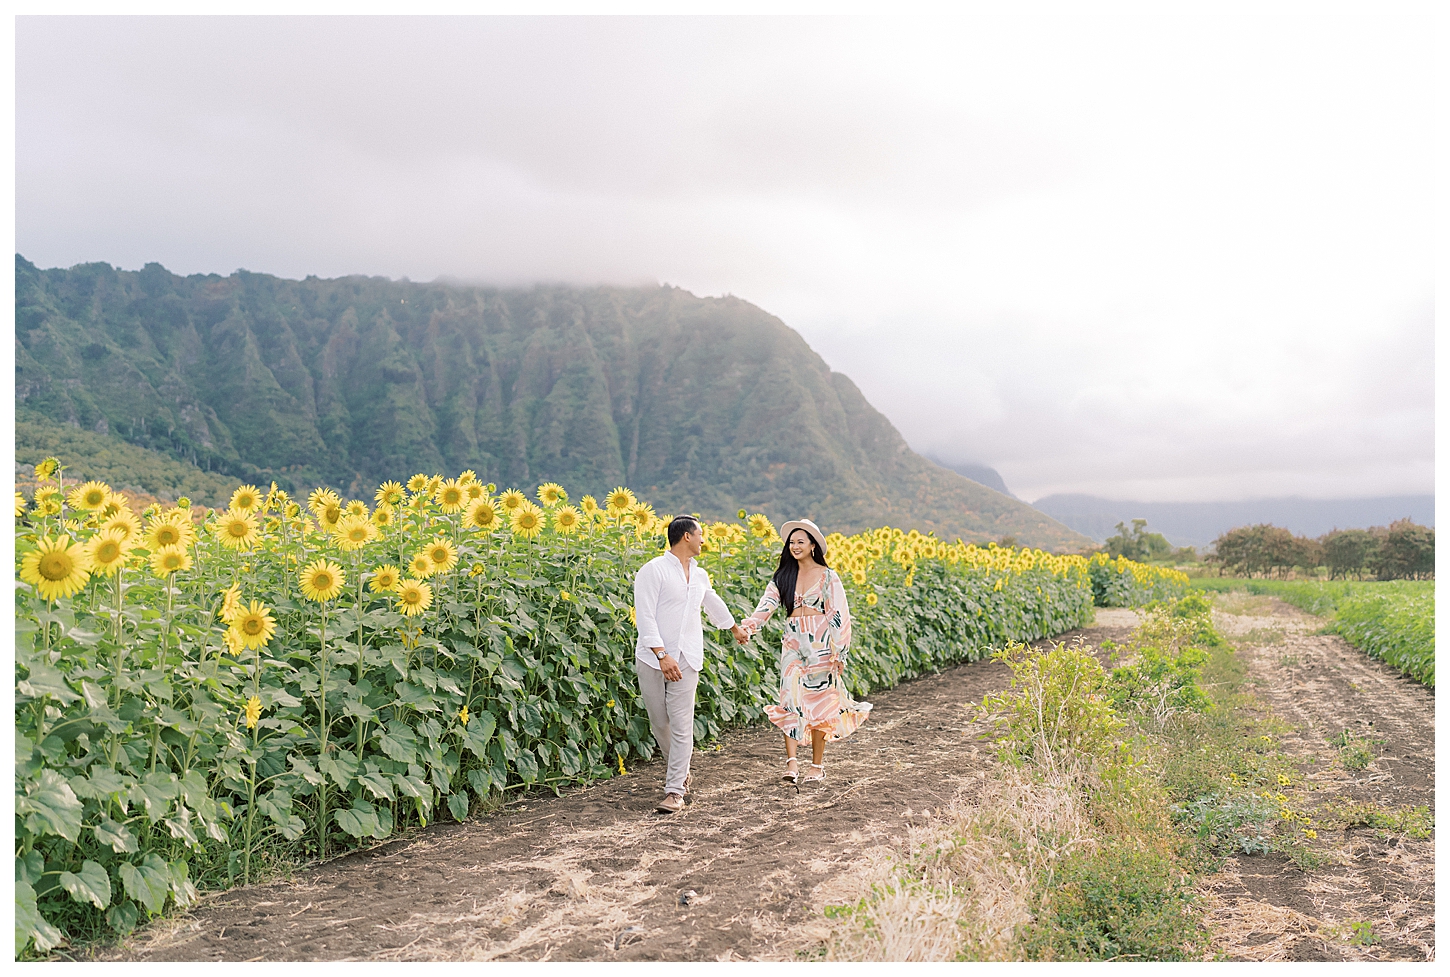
x=669, y=592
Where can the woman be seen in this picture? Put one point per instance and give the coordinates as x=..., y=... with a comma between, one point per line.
x=814, y=701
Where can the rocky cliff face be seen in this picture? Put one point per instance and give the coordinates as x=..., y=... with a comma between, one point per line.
x=700, y=404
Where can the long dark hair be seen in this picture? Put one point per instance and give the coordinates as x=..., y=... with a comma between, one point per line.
x=788, y=570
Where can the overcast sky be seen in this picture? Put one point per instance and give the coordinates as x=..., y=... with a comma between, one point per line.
x=1146, y=258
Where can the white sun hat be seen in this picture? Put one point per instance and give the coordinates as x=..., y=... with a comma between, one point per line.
x=809, y=527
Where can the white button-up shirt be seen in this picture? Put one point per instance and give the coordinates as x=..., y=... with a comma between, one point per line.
x=667, y=611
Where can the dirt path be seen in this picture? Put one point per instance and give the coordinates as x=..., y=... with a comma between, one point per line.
x=595, y=875
x=1268, y=909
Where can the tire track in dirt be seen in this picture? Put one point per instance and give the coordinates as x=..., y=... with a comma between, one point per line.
x=1265, y=908
x=595, y=875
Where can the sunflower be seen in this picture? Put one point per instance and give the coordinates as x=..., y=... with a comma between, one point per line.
x=451, y=496
x=384, y=578
x=589, y=506
x=46, y=468
x=231, y=603
x=320, y=498
x=761, y=526
x=432, y=487
x=552, y=494
x=89, y=497
x=418, y=483
x=353, y=533
x=443, y=555
x=236, y=529
x=247, y=498
x=19, y=505
x=414, y=597
x=253, y=711
x=169, y=560
x=168, y=532
x=389, y=493
x=330, y=516
x=566, y=521
x=321, y=580
x=253, y=627
x=859, y=576
x=234, y=645
x=642, y=514
x=107, y=551
x=56, y=567
x=620, y=501
x=420, y=564
x=114, y=504
x=383, y=516
x=355, y=507
x=871, y=600
x=474, y=491
x=512, y=500
x=527, y=521
x=125, y=523
x=482, y=516
x=469, y=477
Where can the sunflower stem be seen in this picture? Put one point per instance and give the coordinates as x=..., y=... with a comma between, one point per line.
x=322, y=734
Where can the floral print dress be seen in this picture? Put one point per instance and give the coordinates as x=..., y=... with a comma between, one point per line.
x=813, y=692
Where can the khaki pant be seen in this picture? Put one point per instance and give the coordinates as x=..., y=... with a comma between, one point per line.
x=671, y=708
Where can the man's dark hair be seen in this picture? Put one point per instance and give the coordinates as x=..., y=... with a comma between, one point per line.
x=681, y=525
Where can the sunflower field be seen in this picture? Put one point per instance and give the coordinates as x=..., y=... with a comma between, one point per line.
x=206, y=695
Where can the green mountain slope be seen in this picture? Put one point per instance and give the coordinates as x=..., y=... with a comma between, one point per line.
x=700, y=404
x=126, y=467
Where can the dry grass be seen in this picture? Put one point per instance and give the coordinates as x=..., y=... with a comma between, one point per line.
x=960, y=884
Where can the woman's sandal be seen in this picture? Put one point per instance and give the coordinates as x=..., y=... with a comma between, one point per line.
x=790, y=777
x=816, y=778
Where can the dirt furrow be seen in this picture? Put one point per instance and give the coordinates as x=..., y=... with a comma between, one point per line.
x=1374, y=898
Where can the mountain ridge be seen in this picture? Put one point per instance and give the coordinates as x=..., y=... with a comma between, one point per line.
x=699, y=404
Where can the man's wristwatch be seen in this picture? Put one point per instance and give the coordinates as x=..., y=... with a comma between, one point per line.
x=660, y=655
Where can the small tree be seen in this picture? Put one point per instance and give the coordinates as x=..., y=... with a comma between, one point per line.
x=1138, y=544
x=1348, y=551
x=1265, y=549
x=1406, y=551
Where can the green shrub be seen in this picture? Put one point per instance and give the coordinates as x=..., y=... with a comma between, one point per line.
x=1168, y=654
x=1055, y=711
x=1125, y=901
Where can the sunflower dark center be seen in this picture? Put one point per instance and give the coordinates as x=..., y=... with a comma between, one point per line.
x=54, y=566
